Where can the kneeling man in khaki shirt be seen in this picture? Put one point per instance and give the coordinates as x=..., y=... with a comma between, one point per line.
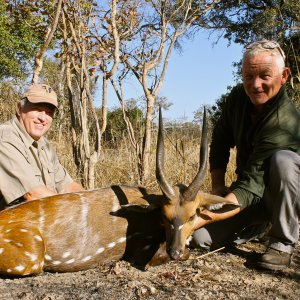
x=29, y=167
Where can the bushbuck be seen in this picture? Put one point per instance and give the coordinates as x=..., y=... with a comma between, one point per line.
x=77, y=231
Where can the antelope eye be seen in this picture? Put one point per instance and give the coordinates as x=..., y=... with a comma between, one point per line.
x=192, y=218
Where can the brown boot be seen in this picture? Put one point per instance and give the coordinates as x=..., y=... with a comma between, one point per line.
x=274, y=259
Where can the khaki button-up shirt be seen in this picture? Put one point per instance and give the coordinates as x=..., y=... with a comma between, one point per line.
x=26, y=164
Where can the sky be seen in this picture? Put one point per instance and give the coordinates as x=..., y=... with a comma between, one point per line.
x=195, y=77
x=199, y=76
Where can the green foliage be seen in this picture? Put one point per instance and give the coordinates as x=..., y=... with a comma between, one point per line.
x=216, y=109
x=19, y=40
x=247, y=20
x=116, y=127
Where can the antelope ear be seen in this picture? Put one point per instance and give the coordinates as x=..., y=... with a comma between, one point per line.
x=213, y=202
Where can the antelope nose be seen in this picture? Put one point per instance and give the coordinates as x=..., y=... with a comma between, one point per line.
x=175, y=253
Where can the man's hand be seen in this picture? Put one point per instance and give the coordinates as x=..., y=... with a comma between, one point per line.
x=38, y=193
x=42, y=191
x=72, y=188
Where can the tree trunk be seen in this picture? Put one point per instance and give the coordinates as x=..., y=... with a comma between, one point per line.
x=147, y=140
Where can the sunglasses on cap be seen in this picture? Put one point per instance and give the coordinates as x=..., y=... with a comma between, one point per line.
x=265, y=44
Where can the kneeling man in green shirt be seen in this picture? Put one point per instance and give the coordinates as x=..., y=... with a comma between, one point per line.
x=263, y=124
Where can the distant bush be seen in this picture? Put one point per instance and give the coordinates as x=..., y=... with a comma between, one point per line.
x=116, y=128
x=9, y=98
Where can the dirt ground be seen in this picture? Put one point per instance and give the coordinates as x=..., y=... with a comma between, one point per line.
x=225, y=274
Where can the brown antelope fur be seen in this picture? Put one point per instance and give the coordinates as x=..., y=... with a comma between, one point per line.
x=77, y=231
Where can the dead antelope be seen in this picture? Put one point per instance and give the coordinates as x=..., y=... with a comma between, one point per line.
x=77, y=231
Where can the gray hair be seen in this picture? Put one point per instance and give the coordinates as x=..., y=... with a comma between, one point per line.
x=23, y=102
x=272, y=47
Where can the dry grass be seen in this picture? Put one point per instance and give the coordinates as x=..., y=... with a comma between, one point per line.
x=119, y=166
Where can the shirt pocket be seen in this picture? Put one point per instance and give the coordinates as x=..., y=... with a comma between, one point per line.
x=50, y=180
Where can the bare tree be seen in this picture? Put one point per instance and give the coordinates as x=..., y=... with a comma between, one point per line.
x=159, y=26
x=86, y=134
x=135, y=142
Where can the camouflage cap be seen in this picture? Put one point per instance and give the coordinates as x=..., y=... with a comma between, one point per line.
x=41, y=93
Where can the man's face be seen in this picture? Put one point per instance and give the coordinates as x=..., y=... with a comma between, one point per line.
x=36, y=118
x=262, y=78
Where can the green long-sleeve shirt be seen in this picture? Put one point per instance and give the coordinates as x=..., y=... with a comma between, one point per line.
x=256, y=139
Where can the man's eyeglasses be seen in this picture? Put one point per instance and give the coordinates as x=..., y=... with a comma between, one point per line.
x=265, y=44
